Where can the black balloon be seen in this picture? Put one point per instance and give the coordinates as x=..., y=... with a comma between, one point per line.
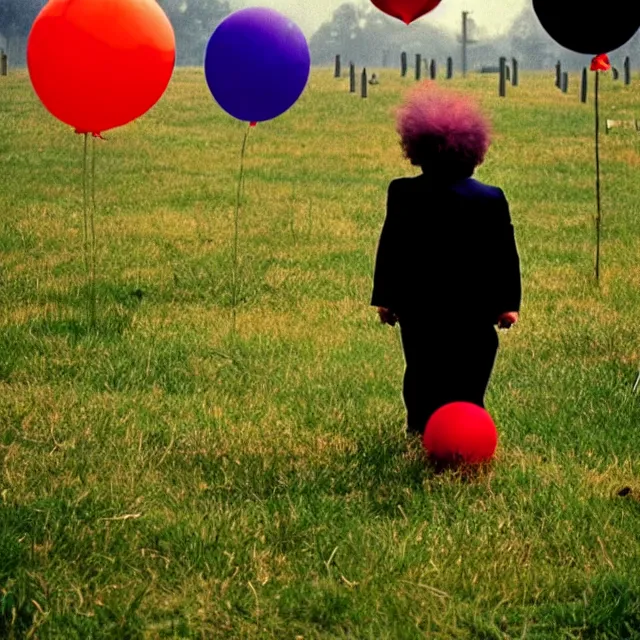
x=589, y=28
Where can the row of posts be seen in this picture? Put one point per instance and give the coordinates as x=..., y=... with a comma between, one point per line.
x=430, y=65
x=363, y=80
x=562, y=78
x=431, y=68
x=506, y=74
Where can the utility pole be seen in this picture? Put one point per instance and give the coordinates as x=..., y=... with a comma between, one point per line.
x=465, y=40
x=464, y=43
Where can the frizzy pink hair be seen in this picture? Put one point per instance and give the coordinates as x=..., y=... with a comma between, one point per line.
x=442, y=129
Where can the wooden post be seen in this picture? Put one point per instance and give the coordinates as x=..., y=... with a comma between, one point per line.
x=565, y=82
x=418, y=66
x=363, y=83
x=337, y=71
x=507, y=72
x=352, y=77
x=627, y=70
x=4, y=63
x=403, y=64
x=464, y=43
x=514, y=76
x=433, y=69
x=558, y=74
x=449, y=68
x=615, y=73
x=583, y=85
x=503, y=77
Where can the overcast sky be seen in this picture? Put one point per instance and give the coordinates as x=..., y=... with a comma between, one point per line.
x=491, y=16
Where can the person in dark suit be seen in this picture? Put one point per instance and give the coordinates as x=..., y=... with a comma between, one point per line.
x=447, y=266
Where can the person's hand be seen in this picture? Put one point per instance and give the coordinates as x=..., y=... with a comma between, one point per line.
x=507, y=319
x=387, y=316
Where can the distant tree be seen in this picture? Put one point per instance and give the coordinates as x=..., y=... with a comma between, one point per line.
x=16, y=19
x=631, y=49
x=17, y=16
x=486, y=52
x=530, y=43
x=534, y=47
x=342, y=35
x=193, y=22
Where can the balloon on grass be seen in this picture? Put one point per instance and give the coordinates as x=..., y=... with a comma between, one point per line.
x=406, y=10
x=257, y=64
x=589, y=29
x=460, y=432
x=99, y=64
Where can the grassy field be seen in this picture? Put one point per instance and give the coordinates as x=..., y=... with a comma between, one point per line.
x=159, y=479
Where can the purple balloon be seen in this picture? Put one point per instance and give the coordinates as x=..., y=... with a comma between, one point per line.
x=257, y=64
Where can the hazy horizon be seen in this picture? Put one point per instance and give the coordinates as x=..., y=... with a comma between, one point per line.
x=490, y=16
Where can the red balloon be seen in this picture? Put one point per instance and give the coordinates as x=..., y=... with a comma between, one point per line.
x=461, y=432
x=99, y=64
x=406, y=10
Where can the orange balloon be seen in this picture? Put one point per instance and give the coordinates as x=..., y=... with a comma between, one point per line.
x=99, y=64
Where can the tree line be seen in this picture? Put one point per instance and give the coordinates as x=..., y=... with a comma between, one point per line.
x=193, y=22
x=357, y=31
x=362, y=34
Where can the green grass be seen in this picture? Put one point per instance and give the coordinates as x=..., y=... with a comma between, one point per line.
x=161, y=480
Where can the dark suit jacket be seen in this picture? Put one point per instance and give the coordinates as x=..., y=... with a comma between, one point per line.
x=447, y=248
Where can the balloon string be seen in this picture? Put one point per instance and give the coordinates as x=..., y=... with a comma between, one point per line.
x=85, y=242
x=93, y=232
x=236, y=225
x=598, y=202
